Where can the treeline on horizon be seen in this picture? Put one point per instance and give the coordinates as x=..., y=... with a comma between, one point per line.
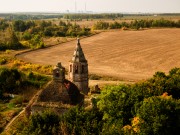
x=150, y=107
x=77, y=16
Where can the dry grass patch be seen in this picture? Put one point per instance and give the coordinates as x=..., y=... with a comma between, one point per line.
x=56, y=40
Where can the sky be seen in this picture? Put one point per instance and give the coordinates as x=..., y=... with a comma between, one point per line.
x=136, y=6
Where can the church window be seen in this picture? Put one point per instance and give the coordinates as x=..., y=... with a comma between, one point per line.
x=70, y=68
x=57, y=73
x=76, y=69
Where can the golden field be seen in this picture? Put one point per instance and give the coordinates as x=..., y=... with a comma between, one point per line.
x=126, y=55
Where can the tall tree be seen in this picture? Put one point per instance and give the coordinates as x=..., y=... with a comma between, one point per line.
x=12, y=40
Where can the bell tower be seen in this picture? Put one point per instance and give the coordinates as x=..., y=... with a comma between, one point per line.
x=78, y=69
x=59, y=73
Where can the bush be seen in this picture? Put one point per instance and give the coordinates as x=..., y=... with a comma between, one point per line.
x=17, y=100
x=8, y=51
x=159, y=115
x=94, y=77
x=9, y=80
x=3, y=61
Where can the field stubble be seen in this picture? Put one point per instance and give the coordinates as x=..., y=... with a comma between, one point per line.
x=127, y=55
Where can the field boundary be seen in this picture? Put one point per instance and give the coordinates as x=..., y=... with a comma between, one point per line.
x=31, y=50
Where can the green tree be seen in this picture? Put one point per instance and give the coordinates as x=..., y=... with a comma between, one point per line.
x=45, y=123
x=159, y=115
x=19, y=25
x=116, y=106
x=79, y=121
x=9, y=80
x=37, y=42
x=173, y=83
x=26, y=36
x=3, y=25
x=12, y=42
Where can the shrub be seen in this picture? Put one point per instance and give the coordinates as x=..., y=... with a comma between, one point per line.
x=17, y=100
x=3, y=61
x=94, y=77
x=8, y=51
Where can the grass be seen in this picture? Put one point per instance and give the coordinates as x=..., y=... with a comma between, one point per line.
x=27, y=66
x=50, y=41
x=18, y=124
x=5, y=57
x=8, y=111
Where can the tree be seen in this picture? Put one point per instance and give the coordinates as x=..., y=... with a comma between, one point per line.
x=9, y=80
x=173, y=83
x=3, y=25
x=76, y=121
x=19, y=25
x=159, y=115
x=12, y=42
x=45, y=123
x=36, y=42
x=116, y=106
x=26, y=36
x=44, y=24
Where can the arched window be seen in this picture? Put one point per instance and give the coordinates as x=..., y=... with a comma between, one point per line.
x=57, y=73
x=70, y=68
x=76, y=69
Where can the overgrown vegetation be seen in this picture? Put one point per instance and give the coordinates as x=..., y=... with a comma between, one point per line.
x=148, y=107
x=49, y=29
x=29, y=67
x=76, y=121
x=136, y=24
x=20, y=34
x=9, y=40
x=13, y=81
x=16, y=89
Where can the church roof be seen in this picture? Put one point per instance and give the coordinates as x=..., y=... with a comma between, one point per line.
x=59, y=66
x=78, y=55
x=65, y=93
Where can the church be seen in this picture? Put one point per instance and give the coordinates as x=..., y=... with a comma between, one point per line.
x=78, y=69
x=61, y=94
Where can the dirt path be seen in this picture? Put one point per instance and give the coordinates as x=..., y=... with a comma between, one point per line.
x=13, y=119
x=128, y=55
x=33, y=99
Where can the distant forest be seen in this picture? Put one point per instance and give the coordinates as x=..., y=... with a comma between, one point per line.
x=36, y=16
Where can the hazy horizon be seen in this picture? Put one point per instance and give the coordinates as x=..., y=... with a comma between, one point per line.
x=118, y=6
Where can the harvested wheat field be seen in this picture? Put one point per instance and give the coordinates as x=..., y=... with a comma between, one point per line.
x=128, y=55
